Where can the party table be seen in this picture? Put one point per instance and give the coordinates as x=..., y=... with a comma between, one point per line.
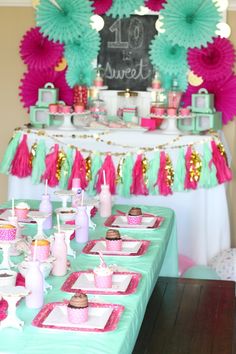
x=160, y=258
x=202, y=213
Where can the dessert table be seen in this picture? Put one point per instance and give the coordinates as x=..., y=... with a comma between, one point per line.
x=202, y=214
x=160, y=258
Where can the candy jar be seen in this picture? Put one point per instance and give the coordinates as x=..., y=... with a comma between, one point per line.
x=82, y=221
x=45, y=206
x=34, y=282
x=98, y=110
x=59, y=251
x=98, y=81
x=105, y=201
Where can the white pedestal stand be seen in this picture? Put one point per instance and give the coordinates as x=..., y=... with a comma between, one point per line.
x=169, y=126
x=39, y=217
x=12, y=294
x=64, y=195
x=6, y=261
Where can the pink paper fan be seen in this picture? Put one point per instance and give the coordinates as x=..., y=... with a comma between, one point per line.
x=224, y=96
x=38, y=52
x=101, y=6
x=33, y=80
x=213, y=62
x=155, y=5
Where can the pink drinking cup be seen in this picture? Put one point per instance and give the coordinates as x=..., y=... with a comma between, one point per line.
x=79, y=108
x=77, y=315
x=134, y=220
x=21, y=213
x=172, y=112
x=66, y=109
x=184, y=111
x=114, y=245
x=42, y=250
x=103, y=281
x=53, y=108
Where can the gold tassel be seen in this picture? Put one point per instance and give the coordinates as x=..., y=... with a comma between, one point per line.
x=170, y=171
x=119, y=171
x=195, y=167
x=61, y=159
x=33, y=153
x=88, y=162
x=145, y=165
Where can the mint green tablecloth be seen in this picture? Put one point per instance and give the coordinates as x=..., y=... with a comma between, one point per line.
x=161, y=258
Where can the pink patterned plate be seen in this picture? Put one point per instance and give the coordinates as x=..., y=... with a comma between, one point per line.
x=102, y=317
x=120, y=221
x=93, y=247
x=5, y=213
x=123, y=283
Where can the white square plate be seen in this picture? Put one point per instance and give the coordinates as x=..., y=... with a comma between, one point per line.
x=85, y=281
x=97, y=318
x=121, y=221
x=5, y=215
x=128, y=247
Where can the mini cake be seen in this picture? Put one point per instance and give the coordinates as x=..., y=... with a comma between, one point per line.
x=42, y=249
x=134, y=216
x=7, y=232
x=21, y=210
x=7, y=277
x=103, y=276
x=113, y=240
x=77, y=309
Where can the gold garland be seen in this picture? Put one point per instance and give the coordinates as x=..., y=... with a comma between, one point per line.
x=195, y=167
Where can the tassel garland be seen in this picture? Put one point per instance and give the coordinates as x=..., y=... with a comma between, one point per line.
x=138, y=186
x=51, y=167
x=224, y=173
x=21, y=166
x=165, y=175
x=110, y=172
x=78, y=170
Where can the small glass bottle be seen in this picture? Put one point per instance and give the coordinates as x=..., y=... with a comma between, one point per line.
x=76, y=187
x=34, y=282
x=156, y=83
x=82, y=221
x=59, y=251
x=45, y=206
x=174, y=95
x=105, y=201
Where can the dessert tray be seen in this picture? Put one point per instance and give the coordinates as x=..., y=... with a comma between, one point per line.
x=129, y=248
x=123, y=283
x=102, y=317
x=120, y=221
x=6, y=213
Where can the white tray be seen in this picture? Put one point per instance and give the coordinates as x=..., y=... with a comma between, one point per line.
x=121, y=221
x=127, y=247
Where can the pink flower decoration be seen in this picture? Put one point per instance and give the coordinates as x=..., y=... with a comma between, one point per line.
x=33, y=80
x=224, y=96
x=38, y=52
x=213, y=62
x=155, y=5
x=101, y=6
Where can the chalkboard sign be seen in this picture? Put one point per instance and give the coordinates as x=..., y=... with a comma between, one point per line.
x=124, y=52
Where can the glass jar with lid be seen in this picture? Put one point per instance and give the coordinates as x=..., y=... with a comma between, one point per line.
x=98, y=110
x=127, y=105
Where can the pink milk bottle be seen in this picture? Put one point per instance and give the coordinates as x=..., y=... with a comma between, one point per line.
x=82, y=221
x=59, y=251
x=105, y=202
x=76, y=187
x=45, y=206
x=34, y=282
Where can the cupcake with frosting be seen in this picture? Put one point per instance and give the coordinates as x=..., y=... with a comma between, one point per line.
x=77, y=309
x=103, y=276
x=134, y=216
x=21, y=210
x=113, y=240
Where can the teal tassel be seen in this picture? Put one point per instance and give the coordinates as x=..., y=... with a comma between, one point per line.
x=96, y=165
x=208, y=177
x=180, y=172
x=66, y=169
x=153, y=169
x=10, y=153
x=38, y=163
x=127, y=168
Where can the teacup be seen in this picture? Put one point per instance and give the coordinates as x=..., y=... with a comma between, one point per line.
x=184, y=111
x=53, y=108
x=172, y=112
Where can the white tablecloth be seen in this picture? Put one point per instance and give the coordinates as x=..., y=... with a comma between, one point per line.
x=202, y=215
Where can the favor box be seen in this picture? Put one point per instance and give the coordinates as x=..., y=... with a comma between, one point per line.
x=206, y=121
x=202, y=102
x=186, y=124
x=39, y=116
x=46, y=95
x=130, y=114
x=150, y=123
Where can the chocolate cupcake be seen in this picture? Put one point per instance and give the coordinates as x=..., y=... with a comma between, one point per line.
x=113, y=240
x=77, y=308
x=134, y=216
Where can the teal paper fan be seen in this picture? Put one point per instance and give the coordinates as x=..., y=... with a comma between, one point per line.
x=190, y=23
x=124, y=8
x=78, y=74
x=85, y=49
x=65, y=20
x=168, y=57
x=181, y=78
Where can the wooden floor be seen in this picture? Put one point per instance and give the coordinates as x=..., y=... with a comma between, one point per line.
x=189, y=316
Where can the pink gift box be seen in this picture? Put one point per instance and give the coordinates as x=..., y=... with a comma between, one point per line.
x=150, y=123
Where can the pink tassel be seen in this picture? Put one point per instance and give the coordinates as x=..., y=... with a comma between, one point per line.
x=223, y=172
x=162, y=179
x=78, y=170
x=189, y=182
x=21, y=166
x=51, y=167
x=138, y=186
x=110, y=172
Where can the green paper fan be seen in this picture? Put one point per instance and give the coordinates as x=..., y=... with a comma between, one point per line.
x=85, y=49
x=167, y=80
x=63, y=22
x=124, y=8
x=190, y=23
x=80, y=75
x=168, y=57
